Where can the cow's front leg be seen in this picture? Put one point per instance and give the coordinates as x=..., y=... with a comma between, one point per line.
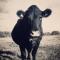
x=34, y=48
x=29, y=51
x=28, y=57
x=34, y=51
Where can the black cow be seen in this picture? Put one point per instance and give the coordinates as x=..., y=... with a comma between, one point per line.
x=27, y=32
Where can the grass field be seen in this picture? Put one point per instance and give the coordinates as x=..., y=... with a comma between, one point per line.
x=49, y=49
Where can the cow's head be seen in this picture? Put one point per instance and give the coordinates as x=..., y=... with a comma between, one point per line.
x=34, y=14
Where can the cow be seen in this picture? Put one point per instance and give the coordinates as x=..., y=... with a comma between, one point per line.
x=27, y=32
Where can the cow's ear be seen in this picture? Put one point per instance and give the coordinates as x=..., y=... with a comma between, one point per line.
x=20, y=13
x=46, y=13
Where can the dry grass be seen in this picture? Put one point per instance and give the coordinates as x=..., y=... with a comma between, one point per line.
x=48, y=50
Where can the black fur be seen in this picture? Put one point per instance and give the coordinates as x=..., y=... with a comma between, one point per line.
x=21, y=33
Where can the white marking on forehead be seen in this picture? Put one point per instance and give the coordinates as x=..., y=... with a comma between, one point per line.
x=35, y=33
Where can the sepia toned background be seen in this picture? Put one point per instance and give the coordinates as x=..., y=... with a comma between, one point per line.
x=49, y=48
x=8, y=9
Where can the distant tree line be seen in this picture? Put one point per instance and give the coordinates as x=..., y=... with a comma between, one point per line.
x=52, y=33
x=5, y=34
x=55, y=33
x=8, y=34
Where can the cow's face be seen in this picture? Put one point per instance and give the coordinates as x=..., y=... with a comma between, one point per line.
x=35, y=15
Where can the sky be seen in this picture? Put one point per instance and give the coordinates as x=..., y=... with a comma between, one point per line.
x=8, y=17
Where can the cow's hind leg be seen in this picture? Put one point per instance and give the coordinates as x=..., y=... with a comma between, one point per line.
x=23, y=52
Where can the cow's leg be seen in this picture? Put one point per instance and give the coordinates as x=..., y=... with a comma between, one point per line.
x=28, y=57
x=34, y=53
x=29, y=51
x=23, y=52
x=34, y=49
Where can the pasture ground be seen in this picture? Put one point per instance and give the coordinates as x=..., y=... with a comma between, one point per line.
x=49, y=49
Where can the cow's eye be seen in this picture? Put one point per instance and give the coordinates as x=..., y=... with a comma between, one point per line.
x=40, y=16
